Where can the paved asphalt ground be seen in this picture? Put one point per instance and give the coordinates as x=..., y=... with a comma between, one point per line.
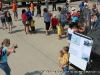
x=36, y=52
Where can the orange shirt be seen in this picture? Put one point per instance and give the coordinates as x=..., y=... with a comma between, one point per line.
x=32, y=7
x=14, y=7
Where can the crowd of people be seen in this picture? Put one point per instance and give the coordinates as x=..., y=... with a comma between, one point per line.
x=53, y=22
x=74, y=25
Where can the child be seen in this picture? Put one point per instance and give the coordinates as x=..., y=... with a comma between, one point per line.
x=66, y=60
x=59, y=31
x=54, y=21
x=70, y=31
x=60, y=59
x=59, y=10
x=32, y=26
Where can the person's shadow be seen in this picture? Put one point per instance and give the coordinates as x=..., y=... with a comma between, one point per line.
x=34, y=73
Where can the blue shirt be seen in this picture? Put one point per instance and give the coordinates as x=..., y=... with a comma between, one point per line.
x=29, y=14
x=5, y=53
x=46, y=16
x=81, y=5
x=74, y=19
x=59, y=13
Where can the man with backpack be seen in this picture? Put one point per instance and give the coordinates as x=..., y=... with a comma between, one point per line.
x=8, y=19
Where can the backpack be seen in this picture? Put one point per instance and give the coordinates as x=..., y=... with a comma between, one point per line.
x=8, y=19
x=1, y=52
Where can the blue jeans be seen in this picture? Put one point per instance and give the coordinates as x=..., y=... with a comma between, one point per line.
x=65, y=70
x=5, y=67
x=53, y=5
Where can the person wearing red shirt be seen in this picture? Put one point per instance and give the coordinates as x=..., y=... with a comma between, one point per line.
x=54, y=21
x=25, y=21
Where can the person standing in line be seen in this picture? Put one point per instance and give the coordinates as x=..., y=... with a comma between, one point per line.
x=14, y=9
x=25, y=21
x=98, y=2
x=81, y=6
x=47, y=4
x=59, y=31
x=2, y=17
x=54, y=22
x=29, y=15
x=38, y=9
x=47, y=20
x=65, y=7
x=8, y=19
x=62, y=18
x=6, y=52
x=53, y=5
x=59, y=10
x=32, y=8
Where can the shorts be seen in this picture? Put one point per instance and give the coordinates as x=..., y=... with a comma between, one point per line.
x=63, y=24
x=15, y=13
x=47, y=25
x=24, y=23
x=3, y=20
x=10, y=23
x=54, y=27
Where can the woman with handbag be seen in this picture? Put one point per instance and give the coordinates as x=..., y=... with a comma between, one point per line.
x=25, y=21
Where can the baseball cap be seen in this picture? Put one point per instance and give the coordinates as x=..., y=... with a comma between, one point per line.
x=54, y=15
x=73, y=8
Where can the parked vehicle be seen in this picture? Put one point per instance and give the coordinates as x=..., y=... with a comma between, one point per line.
x=23, y=2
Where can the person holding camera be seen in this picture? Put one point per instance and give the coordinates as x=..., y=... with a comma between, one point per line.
x=5, y=53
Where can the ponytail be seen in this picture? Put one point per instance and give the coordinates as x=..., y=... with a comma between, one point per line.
x=2, y=44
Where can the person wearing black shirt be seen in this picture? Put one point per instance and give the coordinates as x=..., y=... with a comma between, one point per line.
x=38, y=9
x=53, y=5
